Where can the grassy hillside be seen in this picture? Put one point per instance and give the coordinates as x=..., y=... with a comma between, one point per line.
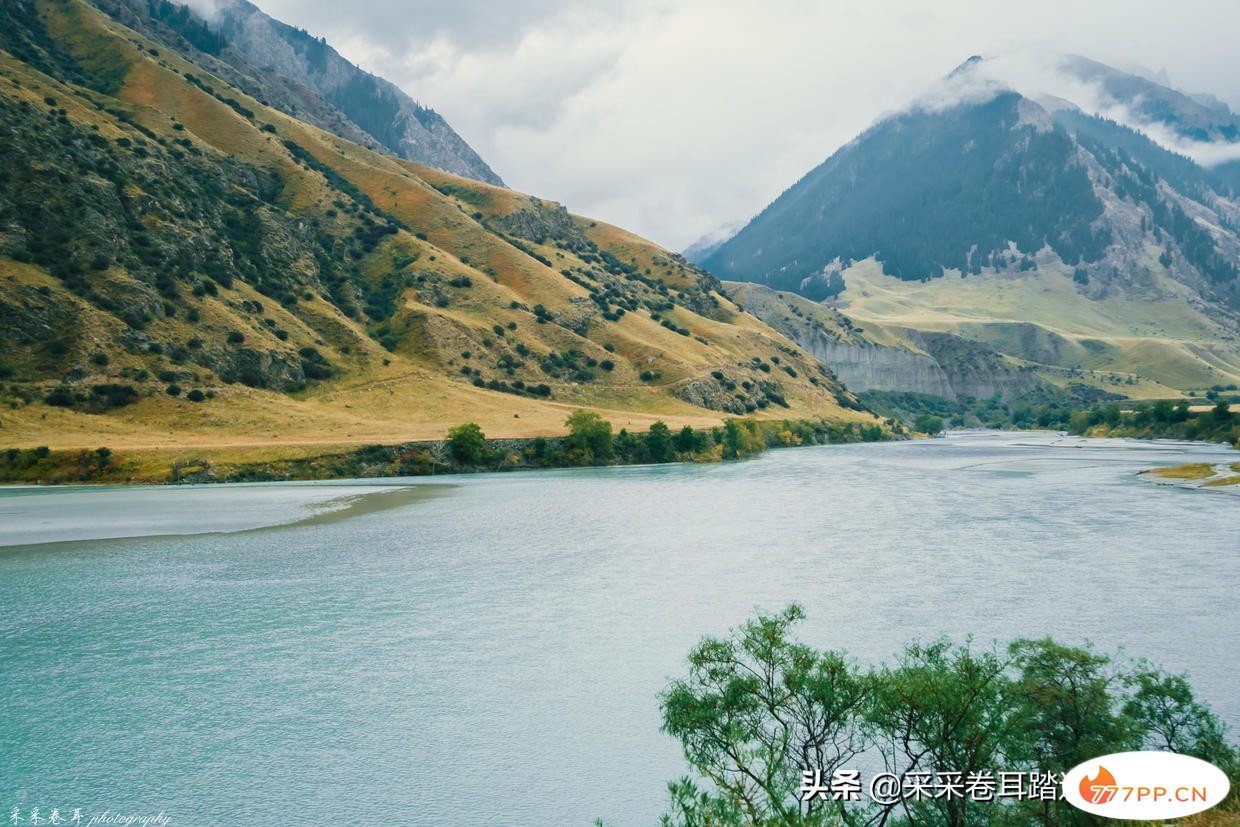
x=182, y=266
x=1154, y=345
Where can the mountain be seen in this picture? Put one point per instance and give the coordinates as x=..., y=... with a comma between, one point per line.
x=183, y=265
x=1197, y=124
x=1202, y=118
x=1065, y=242
x=304, y=77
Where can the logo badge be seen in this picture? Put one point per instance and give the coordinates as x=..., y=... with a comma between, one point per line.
x=1099, y=790
x=1145, y=786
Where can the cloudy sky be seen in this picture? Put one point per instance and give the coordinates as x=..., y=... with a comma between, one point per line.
x=674, y=118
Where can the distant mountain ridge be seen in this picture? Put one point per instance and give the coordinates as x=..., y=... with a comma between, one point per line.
x=1196, y=117
x=305, y=77
x=1070, y=244
x=986, y=186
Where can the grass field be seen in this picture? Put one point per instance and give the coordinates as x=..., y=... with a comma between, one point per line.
x=1159, y=341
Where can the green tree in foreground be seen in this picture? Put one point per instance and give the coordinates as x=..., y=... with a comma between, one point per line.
x=758, y=708
x=467, y=443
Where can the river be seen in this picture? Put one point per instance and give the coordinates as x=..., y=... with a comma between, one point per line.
x=489, y=649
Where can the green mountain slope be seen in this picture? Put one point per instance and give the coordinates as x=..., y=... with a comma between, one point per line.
x=182, y=265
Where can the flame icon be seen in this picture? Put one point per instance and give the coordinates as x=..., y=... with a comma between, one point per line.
x=1099, y=790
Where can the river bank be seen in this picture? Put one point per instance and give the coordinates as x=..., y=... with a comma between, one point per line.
x=596, y=445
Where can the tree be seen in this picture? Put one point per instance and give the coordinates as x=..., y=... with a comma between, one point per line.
x=929, y=424
x=943, y=708
x=740, y=438
x=659, y=446
x=539, y=451
x=733, y=441
x=437, y=453
x=628, y=448
x=589, y=440
x=467, y=443
x=1173, y=720
x=689, y=441
x=1065, y=698
x=758, y=708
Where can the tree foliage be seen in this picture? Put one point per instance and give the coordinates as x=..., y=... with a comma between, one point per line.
x=758, y=708
x=589, y=438
x=1160, y=420
x=467, y=443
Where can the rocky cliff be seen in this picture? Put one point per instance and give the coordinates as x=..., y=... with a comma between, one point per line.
x=890, y=359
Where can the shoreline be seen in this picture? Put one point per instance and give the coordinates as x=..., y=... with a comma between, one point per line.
x=261, y=506
x=45, y=467
x=258, y=463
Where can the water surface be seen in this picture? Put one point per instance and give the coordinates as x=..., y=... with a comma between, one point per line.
x=493, y=654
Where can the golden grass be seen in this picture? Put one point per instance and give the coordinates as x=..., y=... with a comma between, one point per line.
x=1190, y=471
x=415, y=392
x=383, y=412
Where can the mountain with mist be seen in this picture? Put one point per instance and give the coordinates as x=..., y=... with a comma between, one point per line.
x=1074, y=245
x=182, y=263
x=305, y=77
x=708, y=243
x=1196, y=117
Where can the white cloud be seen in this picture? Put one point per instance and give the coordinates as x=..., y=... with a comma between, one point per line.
x=1038, y=75
x=203, y=8
x=673, y=118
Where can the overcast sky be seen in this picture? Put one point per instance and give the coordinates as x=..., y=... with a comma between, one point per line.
x=675, y=118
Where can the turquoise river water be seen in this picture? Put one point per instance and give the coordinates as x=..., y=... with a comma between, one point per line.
x=489, y=649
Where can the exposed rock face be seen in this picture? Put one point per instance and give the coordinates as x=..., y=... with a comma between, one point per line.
x=1197, y=118
x=938, y=364
x=539, y=220
x=380, y=108
x=731, y=391
x=962, y=368
x=257, y=368
x=976, y=369
x=29, y=317
x=876, y=368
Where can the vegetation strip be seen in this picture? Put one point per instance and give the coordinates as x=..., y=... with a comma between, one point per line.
x=590, y=441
